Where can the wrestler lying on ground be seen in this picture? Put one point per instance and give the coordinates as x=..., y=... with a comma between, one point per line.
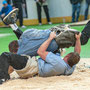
x=49, y=64
x=30, y=40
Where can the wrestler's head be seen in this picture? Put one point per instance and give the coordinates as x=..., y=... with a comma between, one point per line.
x=13, y=46
x=72, y=58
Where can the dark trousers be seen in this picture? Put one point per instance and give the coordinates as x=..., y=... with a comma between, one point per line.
x=39, y=12
x=20, y=14
x=18, y=32
x=8, y=59
x=86, y=11
x=85, y=34
x=75, y=9
x=16, y=61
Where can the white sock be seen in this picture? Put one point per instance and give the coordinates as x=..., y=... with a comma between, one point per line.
x=14, y=26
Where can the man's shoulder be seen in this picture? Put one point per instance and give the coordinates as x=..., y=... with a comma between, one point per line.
x=56, y=57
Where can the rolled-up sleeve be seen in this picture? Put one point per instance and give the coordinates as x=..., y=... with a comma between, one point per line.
x=52, y=58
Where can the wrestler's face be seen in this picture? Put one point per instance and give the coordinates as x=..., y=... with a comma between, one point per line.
x=15, y=51
x=67, y=57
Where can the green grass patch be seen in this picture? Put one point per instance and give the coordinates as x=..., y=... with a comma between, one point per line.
x=4, y=41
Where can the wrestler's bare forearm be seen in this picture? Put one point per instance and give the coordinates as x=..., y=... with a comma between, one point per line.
x=42, y=50
x=78, y=44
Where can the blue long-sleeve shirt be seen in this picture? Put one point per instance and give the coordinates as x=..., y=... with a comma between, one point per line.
x=6, y=10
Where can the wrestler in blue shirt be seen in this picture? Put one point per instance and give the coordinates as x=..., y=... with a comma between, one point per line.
x=51, y=64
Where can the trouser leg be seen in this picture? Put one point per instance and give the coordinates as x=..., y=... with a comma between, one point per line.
x=86, y=11
x=78, y=11
x=46, y=12
x=16, y=30
x=84, y=39
x=85, y=34
x=20, y=13
x=73, y=12
x=18, y=33
x=8, y=59
x=16, y=61
x=39, y=12
x=4, y=65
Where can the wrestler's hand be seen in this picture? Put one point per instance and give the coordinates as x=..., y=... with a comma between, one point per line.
x=78, y=36
x=52, y=35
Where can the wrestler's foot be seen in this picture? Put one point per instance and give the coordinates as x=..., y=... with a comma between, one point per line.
x=11, y=18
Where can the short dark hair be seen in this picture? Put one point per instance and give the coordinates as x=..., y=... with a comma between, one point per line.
x=73, y=59
x=13, y=46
